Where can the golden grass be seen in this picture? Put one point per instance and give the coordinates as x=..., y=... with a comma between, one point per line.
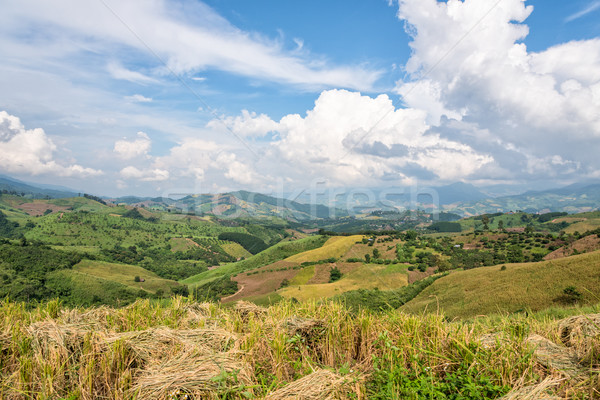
x=532, y=286
x=367, y=276
x=310, y=351
x=335, y=246
x=583, y=226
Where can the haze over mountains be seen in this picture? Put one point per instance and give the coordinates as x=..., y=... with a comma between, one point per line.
x=461, y=198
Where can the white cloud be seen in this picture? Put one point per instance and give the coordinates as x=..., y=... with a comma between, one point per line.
x=348, y=138
x=117, y=71
x=31, y=151
x=247, y=124
x=190, y=36
x=469, y=64
x=138, y=98
x=131, y=149
x=593, y=6
x=151, y=175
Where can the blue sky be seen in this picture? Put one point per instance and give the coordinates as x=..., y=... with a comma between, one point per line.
x=137, y=97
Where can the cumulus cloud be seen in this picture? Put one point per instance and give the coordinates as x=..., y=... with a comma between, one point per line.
x=248, y=124
x=351, y=138
x=31, y=151
x=135, y=148
x=189, y=36
x=469, y=64
x=151, y=175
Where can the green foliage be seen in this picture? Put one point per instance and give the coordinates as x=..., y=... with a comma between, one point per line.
x=391, y=379
x=334, y=274
x=215, y=289
x=445, y=227
x=27, y=268
x=7, y=228
x=251, y=243
x=380, y=300
x=134, y=214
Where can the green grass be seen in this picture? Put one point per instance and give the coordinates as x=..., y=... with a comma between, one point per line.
x=125, y=275
x=527, y=286
x=268, y=256
x=235, y=250
x=303, y=276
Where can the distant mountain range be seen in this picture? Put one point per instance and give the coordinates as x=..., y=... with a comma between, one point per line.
x=572, y=199
x=34, y=190
x=461, y=198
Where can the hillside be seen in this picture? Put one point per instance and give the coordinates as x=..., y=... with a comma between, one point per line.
x=518, y=287
x=571, y=199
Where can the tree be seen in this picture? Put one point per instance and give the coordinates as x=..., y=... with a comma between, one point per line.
x=486, y=220
x=368, y=258
x=501, y=225
x=334, y=274
x=376, y=253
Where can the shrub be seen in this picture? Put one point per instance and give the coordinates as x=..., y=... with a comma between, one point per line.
x=334, y=274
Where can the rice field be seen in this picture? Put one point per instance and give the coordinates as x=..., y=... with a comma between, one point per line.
x=318, y=351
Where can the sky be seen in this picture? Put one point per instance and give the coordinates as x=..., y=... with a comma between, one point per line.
x=156, y=97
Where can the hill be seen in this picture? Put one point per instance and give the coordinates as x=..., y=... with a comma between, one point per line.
x=572, y=199
x=15, y=186
x=518, y=287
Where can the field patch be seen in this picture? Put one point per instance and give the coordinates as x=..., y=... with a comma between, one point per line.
x=182, y=244
x=263, y=281
x=366, y=276
x=235, y=250
x=489, y=290
x=335, y=246
x=40, y=207
x=125, y=275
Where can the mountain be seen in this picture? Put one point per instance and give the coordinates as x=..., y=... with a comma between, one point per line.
x=459, y=192
x=33, y=190
x=579, y=197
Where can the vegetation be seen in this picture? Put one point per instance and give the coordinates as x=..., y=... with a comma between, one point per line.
x=181, y=349
x=249, y=242
x=519, y=287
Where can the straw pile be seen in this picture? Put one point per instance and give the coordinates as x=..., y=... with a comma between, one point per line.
x=199, y=376
x=541, y=391
x=554, y=357
x=246, y=309
x=582, y=334
x=304, y=327
x=319, y=385
x=161, y=342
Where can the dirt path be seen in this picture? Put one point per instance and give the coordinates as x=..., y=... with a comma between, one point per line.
x=224, y=299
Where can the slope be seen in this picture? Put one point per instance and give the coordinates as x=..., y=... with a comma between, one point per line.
x=532, y=286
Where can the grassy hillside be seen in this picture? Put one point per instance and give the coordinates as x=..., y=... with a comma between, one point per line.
x=271, y=255
x=533, y=286
x=125, y=275
x=335, y=247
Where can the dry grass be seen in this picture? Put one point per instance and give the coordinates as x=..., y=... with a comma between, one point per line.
x=335, y=246
x=533, y=286
x=305, y=351
x=319, y=385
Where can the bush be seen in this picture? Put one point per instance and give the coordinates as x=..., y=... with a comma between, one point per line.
x=334, y=274
x=137, y=279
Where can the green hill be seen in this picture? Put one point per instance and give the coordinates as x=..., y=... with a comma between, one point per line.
x=528, y=286
x=270, y=255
